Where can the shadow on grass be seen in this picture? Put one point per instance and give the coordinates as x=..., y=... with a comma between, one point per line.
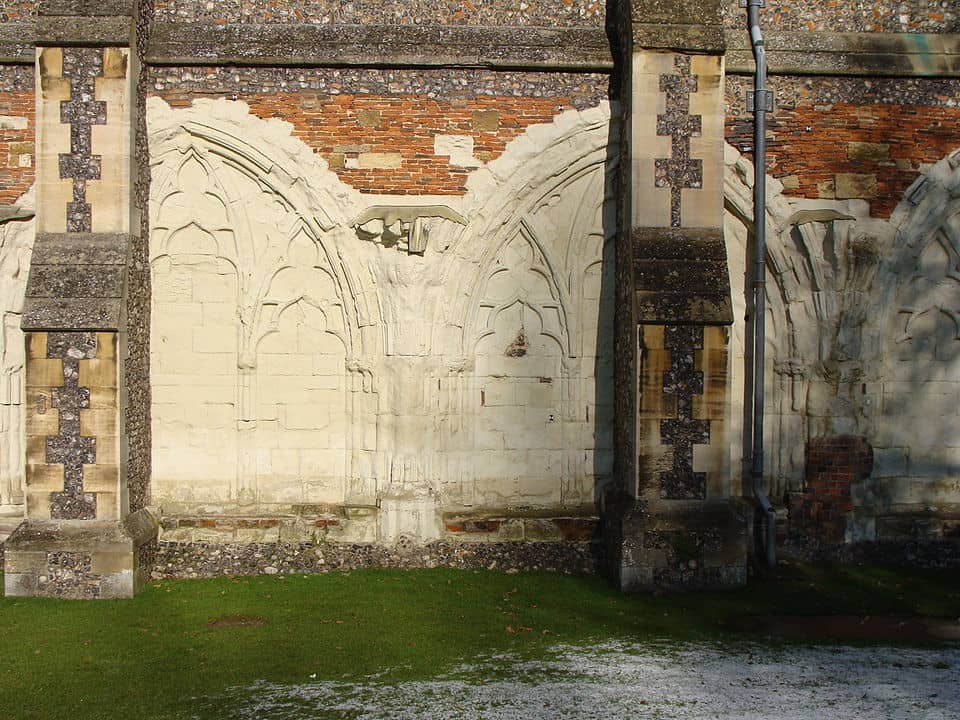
x=189, y=639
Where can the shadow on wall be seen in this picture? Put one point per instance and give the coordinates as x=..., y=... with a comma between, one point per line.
x=863, y=341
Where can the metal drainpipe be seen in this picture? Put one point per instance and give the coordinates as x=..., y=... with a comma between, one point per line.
x=762, y=103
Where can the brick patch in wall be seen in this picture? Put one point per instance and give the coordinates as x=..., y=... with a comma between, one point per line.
x=17, y=144
x=833, y=464
x=843, y=150
x=388, y=144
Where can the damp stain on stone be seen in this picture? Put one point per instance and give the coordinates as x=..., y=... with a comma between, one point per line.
x=518, y=348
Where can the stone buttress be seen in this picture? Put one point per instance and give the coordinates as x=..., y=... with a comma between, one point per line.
x=86, y=533
x=673, y=521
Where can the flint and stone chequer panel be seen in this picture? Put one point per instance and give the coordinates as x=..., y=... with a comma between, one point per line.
x=677, y=136
x=83, y=139
x=682, y=411
x=71, y=426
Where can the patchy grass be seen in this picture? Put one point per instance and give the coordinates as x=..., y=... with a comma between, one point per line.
x=156, y=655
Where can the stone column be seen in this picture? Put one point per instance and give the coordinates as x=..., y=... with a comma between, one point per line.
x=672, y=522
x=86, y=534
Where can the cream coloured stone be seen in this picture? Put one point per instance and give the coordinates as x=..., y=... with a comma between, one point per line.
x=109, y=196
x=374, y=161
x=458, y=147
x=359, y=370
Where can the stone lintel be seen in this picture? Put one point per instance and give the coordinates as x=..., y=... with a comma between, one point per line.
x=572, y=49
x=79, y=559
x=681, y=276
x=74, y=31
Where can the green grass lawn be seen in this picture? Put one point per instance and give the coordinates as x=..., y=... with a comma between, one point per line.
x=180, y=640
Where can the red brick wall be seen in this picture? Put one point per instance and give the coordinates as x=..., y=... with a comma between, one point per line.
x=833, y=464
x=17, y=146
x=842, y=150
x=340, y=127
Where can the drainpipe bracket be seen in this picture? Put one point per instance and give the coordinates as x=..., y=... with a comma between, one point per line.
x=752, y=3
x=760, y=100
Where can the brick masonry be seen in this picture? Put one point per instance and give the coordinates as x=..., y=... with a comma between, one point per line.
x=833, y=465
x=17, y=132
x=377, y=129
x=851, y=138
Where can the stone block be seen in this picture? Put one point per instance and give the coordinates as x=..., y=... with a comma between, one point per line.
x=101, y=478
x=499, y=392
x=44, y=372
x=868, y=151
x=39, y=423
x=214, y=339
x=855, y=185
x=13, y=122
x=44, y=477
x=368, y=118
x=99, y=422
x=485, y=120
x=276, y=364
x=304, y=416
x=375, y=161
x=38, y=504
x=98, y=373
x=214, y=288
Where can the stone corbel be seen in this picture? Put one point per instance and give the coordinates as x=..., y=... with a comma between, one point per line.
x=406, y=227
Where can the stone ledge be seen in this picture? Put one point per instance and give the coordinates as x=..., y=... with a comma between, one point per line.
x=71, y=314
x=379, y=45
x=680, y=276
x=680, y=37
x=80, y=249
x=829, y=53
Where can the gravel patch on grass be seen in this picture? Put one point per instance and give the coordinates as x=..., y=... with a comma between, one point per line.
x=620, y=680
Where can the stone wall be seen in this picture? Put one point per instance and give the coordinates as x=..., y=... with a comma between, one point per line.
x=861, y=342
x=370, y=287
x=435, y=355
